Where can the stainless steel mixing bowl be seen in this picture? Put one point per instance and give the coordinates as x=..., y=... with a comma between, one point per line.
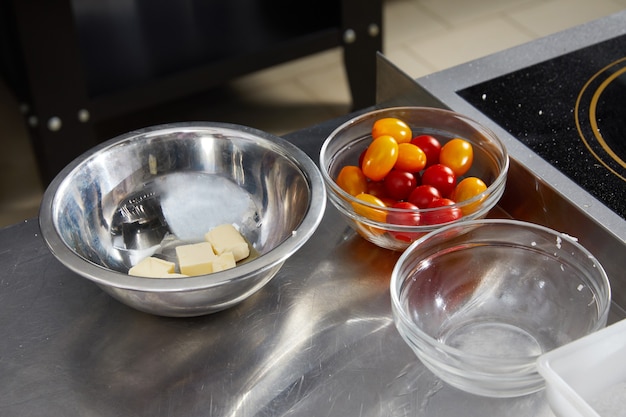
x=147, y=191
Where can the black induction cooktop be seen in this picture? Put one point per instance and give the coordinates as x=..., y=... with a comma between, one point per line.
x=571, y=111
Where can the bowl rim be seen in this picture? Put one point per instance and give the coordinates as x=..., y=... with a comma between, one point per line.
x=408, y=324
x=324, y=161
x=111, y=278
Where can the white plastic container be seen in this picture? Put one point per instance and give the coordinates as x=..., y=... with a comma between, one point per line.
x=587, y=377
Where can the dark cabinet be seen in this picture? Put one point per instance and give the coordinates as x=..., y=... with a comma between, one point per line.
x=77, y=63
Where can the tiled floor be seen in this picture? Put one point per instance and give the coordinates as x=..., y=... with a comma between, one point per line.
x=420, y=37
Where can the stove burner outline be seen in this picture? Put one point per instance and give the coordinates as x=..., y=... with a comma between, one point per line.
x=593, y=120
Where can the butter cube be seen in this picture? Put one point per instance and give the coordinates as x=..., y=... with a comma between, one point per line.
x=196, y=258
x=224, y=261
x=152, y=267
x=225, y=238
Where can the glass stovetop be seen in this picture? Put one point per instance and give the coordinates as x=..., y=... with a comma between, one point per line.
x=571, y=111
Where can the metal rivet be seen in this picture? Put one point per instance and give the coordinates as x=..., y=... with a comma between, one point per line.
x=373, y=29
x=24, y=108
x=54, y=124
x=349, y=36
x=33, y=121
x=83, y=115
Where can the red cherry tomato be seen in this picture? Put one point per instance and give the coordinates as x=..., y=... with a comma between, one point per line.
x=391, y=126
x=458, y=155
x=361, y=156
x=408, y=218
x=410, y=158
x=377, y=189
x=399, y=184
x=423, y=195
x=352, y=180
x=431, y=147
x=441, y=177
x=380, y=157
x=445, y=213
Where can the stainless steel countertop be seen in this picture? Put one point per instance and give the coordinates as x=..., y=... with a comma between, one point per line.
x=318, y=340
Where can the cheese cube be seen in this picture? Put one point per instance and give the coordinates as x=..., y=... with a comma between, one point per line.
x=224, y=261
x=225, y=238
x=152, y=267
x=196, y=258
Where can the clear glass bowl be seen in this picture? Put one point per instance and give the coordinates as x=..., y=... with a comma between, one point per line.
x=346, y=143
x=480, y=301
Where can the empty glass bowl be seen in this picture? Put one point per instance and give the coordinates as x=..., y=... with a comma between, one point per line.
x=480, y=301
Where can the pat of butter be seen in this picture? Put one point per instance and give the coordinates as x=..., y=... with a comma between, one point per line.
x=225, y=238
x=224, y=261
x=152, y=267
x=196, y=258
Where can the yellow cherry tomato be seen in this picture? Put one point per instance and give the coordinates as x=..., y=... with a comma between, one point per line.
x=370, y=212
x=369, y=231
x=380, y=157
x=352, y=180
x=457, y=155
x=391, y=126
x=467, y=189
x=411, y=158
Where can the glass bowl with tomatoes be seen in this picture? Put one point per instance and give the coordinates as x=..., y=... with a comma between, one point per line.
x=398, y=173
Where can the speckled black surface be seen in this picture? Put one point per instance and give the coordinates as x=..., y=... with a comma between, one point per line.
x=547, y=107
